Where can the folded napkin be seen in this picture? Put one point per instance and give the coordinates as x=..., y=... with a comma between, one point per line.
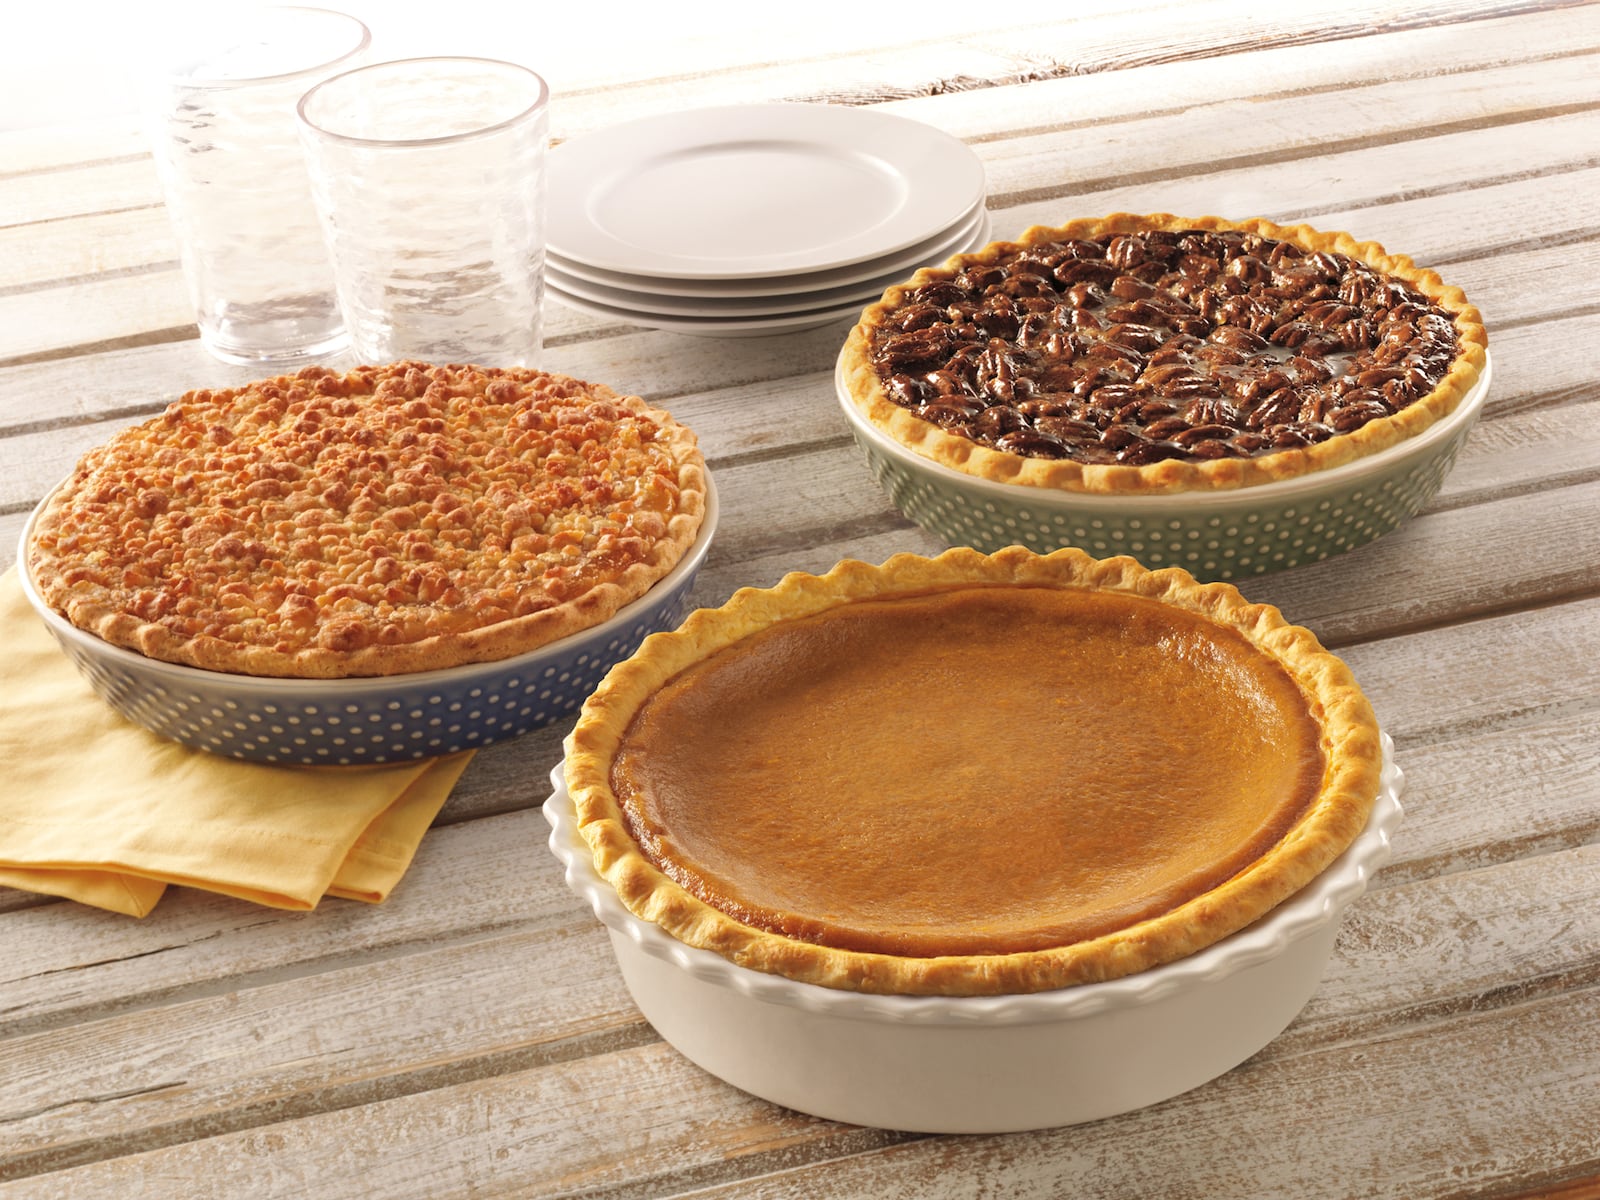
x=98, y=810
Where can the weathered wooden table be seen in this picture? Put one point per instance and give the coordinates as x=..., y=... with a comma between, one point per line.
x=471, y=1037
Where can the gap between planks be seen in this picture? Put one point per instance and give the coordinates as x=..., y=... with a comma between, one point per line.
x=1487, y=61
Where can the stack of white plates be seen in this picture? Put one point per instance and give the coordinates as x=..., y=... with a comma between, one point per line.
x=756, y=219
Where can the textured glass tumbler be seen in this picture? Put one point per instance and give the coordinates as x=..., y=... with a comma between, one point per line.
x=429, y=177
x=221, y=120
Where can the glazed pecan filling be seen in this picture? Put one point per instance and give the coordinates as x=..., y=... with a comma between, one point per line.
x=1141, y=347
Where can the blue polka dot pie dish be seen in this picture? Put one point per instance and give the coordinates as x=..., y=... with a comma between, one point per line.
x=377, y=719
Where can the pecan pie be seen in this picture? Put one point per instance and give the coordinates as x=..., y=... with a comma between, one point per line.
x=1161, y=354
x=393, y=519
x=972, y=774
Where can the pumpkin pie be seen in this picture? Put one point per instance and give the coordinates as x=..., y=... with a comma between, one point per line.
x=1154, y=354
x=391, y=519
x=971, y=774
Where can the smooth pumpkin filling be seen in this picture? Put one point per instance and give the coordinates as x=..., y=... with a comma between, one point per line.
x=884, y=776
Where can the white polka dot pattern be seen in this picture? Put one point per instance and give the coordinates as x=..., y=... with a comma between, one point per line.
x=1248, y=534
x=364, y=721
x=394, y=718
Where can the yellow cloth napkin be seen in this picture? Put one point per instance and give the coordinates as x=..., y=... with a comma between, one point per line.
x=98, y=810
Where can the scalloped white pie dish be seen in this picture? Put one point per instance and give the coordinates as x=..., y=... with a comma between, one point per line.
x=984, y=1064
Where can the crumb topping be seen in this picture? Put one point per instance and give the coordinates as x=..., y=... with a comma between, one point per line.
x=387, y=507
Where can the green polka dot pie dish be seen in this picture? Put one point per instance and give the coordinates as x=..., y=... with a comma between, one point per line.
x=1229, y=397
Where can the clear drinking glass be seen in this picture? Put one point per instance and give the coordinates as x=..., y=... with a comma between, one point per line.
x=221, y=119
x=429, y=176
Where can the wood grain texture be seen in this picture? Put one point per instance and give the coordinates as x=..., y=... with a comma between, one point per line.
x=1380, y=115
x=472, y=1037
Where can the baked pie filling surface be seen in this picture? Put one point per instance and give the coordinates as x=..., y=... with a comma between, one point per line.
x=971, y=774
x=392, y=519
x=1159, y=353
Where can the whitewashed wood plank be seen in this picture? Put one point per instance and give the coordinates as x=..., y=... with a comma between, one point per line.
x=59, y=145
x=10, y=532
x=1432, y=949
x=745, y=396
x=1437, y=227
x=1452, y=1111
x=810, y=499
x=1188, y=89
x=652, y=50
x=1261, y=75
x=1515, y=287
x=1471, y=679
x=47, y=252
x=1223, y=131
x=1193, y=52
x=65, y=963
x=1523, y=451
x=646, y=64
x=1403, y=1113
x=489, y=1005
x=943, y=51
x=1391, y=120
x=1450, y=565
x=1458, y=204
x=150, y=304
x=1530, y=368
x=128, y=309
x=1521, y=791
x=396, y=1025
x=110, y=184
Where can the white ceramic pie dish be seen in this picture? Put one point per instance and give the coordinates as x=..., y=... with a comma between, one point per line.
x=376, y=719
x=985, y=1064
x=755, y=190
x=1212, y=535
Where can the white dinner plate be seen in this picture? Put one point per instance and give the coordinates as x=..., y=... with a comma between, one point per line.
x=862, y=292
x=754, y=190
x=964, y=235
x=753, y=326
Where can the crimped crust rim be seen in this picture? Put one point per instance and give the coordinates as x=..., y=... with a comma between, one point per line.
x=1351, y=745
x=490, y=642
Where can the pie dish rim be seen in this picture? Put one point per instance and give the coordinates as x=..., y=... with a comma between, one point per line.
x=984, y=1064
x=1321, y=901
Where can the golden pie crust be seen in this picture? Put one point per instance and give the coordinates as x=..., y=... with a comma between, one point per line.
x=971, y=774
x=393, y=519
x=1355, y=376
